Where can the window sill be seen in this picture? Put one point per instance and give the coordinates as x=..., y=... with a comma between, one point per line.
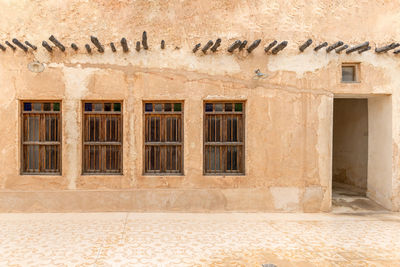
x=163, y=174
x=40, y=173
x=349, y=82
x=224, y=174
x=102, y=174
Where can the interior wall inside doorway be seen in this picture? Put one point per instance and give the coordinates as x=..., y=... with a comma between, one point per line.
x=350, y=142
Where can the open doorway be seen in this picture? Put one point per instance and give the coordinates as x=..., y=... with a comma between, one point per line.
x=350, y=146
x=350, y=156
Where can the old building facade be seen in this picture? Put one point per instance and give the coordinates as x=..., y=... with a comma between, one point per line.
x=169, y=129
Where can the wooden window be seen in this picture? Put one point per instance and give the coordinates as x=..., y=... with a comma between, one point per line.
x=102, y=137
x=163, y=137
x=350, y=72
x=41, y=137
x=224, y=138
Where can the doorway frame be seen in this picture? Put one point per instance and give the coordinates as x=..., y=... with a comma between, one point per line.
x=380, y=148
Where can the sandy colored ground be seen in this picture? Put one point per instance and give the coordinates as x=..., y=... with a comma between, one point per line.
x=187, y=239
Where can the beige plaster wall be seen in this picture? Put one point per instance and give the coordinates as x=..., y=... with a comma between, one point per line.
x=288, y=113
x=350, y=142
x=380, y=150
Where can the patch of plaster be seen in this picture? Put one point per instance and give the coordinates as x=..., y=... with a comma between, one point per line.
x=76, y=81
x=300, y=64
x=7, y=93
x=286, y=198
x=225, y=97
x=215, y=64
x=312, y=199
x=324, y=140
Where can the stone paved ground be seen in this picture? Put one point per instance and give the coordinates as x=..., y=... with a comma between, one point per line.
x=183, y=239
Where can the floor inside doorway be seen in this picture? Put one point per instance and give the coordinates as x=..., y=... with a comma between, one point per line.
x=349, y=199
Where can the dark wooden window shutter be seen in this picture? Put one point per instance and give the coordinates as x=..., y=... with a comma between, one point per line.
x=102, y=137
x=224, y=138
x=41, y=137
x=163, y=137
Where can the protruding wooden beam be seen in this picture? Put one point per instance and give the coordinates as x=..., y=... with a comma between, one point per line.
x=113, y=47
x=88, y=48
x=318, y=47
x=138, y=46
x=235, y=45
x=305, y=45
x=10, y=45
x=396, y=51
x=394, y=45
x=47, y=46
x=357, y=47
x=387, y=48
x=162, y=44
x=334, y=46
x=124, y=44
x=279, y=47
x=2, y=47
x=97, y=43
x=196, y=47
x=207, y=46
x=242, y=45
x=364, y=49
x=144, y=41
x=272, y=44
x=216, y=45
x=253, y=45
x=340, y=49
x=20, y=45
x=31, y=45
x=57, y=43
x=74, y=46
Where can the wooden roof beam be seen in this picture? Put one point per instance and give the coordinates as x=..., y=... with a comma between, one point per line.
x=124, y=44
x=196, y=47
x=305, y=45
x=340, y=49
x=10, y=45
x=144, y=41
x=254, y=45
x=20, y=45
x=279, y=47
x=235, y=45
x=97, y=43
x=357, y=47
x=34, y=47
x=207, y=46
x=47, y=46
x=318, y=47
x=57, y=43
x=387, y=48
x=272, y=44
x=334, y=46
x=216, y=45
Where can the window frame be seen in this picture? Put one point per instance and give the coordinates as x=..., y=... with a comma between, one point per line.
x=357, y=75
x=182, y=142
x=22, y=136
x=102, y=173
x=241, y=172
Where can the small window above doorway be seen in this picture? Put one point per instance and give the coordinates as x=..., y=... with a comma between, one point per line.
x=350, y=73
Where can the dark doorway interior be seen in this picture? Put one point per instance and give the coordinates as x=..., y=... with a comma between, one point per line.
x=350, y=146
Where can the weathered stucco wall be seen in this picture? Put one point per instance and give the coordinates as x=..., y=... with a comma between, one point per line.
x=288, y=114
x=350, y=142
x=380, y=167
